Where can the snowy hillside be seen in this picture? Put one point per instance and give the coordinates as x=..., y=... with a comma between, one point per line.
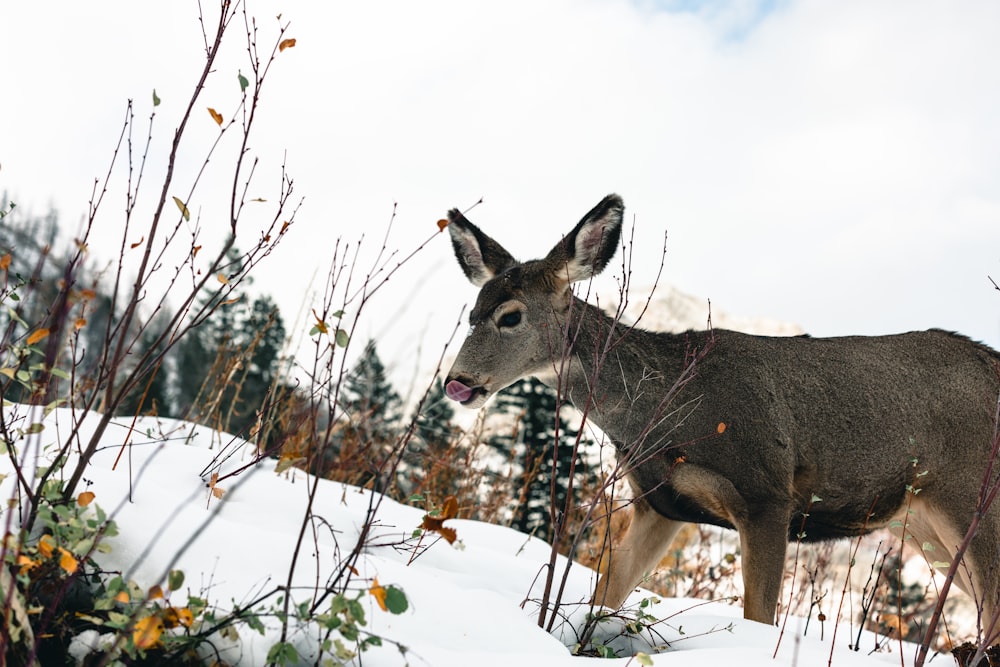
x=471, y=603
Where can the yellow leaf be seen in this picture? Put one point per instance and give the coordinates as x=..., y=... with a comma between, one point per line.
x=378, y=592
x=9, y=372
x=286, y=44
x=216, y=116
x=183, y=207
x=46, y=546
x=37, y=335
x=442, y=223
x=147, y=632
x=5, y=262
x=66, y=561
x=85, y=498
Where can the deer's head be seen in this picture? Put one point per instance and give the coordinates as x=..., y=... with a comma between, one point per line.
x=517, y=327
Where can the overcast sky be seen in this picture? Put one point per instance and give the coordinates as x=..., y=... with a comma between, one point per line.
x=832, y=164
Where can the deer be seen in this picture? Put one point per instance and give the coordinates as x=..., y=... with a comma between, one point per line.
x=779, y=438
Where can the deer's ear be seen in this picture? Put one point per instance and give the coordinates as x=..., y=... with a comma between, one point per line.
x=480, y=256
x=586, y=250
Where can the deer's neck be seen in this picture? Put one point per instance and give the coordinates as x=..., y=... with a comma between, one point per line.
x=622, y=378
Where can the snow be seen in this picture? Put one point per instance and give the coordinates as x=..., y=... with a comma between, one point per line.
x=472, y=603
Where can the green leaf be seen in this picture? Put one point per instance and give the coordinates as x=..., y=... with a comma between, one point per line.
x=395, y=600
x=643, y=659
x=283, y=653
x=342, y=338
x=175, y=579
x=243, y=82
x=156, y=98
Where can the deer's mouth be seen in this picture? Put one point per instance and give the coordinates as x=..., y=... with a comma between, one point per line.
x=462, y=393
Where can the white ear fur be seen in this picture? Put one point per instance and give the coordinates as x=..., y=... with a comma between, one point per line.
x=594, y=241
x=470, y=255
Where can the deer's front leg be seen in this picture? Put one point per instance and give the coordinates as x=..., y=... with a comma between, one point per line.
x=646, y=540
x=763, y=542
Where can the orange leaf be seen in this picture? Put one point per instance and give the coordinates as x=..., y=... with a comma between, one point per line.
x=122, y=597
x=216, y=116
x=286, y=44
x=222, y=278
x=721, y=428
x=88, y=294
x=194, y=250
x=80, y=323
x=147, y=632
x=138, y=243
x=66, y=561
x=25, y=563
x=173, y=617
x=37, y=335
x=46, y=546
x=284, y=226
x=5, y=262
x=436, y=523
x=378, y=592
x=85, y=498
x=442, y=223
x=155, y=593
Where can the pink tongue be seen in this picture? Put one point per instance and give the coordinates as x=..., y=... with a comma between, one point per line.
x=457, y=391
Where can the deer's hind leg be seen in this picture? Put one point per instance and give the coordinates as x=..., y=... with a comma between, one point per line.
x=646, y=540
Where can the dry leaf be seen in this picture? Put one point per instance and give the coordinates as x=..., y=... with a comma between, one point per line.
x=37, y=335
x=137, y=243
x=721, y=428
x=147, y=632
x=216, y=116
x=184, y=209
x=286, y=44
x=66, y=561
x=442, y=223
x=46, y=546
x=88, y=294
x=80, y=323
x=85, y=498
x=378, y=592
x=222, y=279
x=5, y=262
x=155, y=593
x=436, y=523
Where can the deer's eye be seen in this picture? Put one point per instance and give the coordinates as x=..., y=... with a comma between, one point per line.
x=511, y=319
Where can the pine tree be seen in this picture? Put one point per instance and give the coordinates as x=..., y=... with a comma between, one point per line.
x=368, y=397
x=530, y=446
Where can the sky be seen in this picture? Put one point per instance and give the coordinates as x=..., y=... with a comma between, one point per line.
x=832, y=165
x=473, y=603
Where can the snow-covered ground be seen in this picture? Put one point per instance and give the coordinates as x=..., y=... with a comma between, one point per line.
x=471, y=603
